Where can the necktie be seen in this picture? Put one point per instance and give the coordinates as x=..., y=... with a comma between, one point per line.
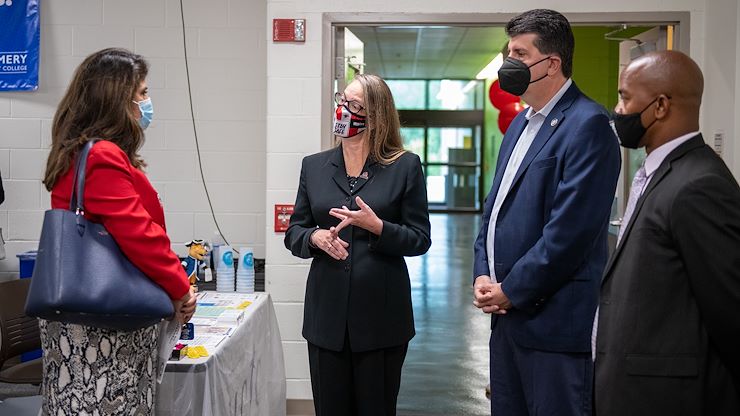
x=638, y=184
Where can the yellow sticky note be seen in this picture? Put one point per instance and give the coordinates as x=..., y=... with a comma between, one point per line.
x=201, y=351
x=197, y=351
x=192, y=352
x=244, y=305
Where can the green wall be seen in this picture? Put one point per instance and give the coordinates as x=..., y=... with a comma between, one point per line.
x=596, y=65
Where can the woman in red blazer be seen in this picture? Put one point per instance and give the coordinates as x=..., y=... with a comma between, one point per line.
x=90, y=369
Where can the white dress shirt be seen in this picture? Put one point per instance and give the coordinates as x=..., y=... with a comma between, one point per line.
x=512, y=166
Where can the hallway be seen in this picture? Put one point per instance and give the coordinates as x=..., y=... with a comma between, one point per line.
x=446, y=368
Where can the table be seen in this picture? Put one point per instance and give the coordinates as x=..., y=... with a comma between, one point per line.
x=21, y=406
x=243, y=375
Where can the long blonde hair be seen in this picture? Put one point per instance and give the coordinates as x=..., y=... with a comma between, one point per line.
x=98, y=104
x=383, y=126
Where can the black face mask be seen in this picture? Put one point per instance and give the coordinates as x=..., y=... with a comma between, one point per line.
x=514, y=76
x=629, y=128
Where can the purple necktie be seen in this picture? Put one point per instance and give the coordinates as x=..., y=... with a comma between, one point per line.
x=638, y=184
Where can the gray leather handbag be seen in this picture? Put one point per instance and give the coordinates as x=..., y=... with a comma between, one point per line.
x=82, y=277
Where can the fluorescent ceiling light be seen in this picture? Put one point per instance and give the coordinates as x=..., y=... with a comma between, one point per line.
x=401, y=27
x=469, y=86
x=490, y=71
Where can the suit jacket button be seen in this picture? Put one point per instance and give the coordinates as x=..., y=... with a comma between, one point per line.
x=346, y=199
x=346, y=267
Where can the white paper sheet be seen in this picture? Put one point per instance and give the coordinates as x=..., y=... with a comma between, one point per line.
x=169, y=336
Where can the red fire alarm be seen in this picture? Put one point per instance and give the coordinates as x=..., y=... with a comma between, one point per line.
x=288, y=30
x=282, y=217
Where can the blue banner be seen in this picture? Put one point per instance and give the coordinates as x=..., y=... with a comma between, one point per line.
x=19, y=45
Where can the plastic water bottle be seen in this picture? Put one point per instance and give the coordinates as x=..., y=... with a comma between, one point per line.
x=225, y=269
x=245, y=271
x=216, y=242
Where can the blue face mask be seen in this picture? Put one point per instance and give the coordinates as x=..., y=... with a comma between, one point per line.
x=147, y=112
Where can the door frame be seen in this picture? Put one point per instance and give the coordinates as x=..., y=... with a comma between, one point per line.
x=679, y=19
x=328, y=66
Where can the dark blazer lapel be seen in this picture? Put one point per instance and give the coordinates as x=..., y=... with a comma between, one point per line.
x=657, y=177
x=340, y=172
x=689, y=145
x=665, y=167
x=551, y=123
x=507, y=147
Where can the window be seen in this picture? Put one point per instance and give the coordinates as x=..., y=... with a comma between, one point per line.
x=455, y=95
x=413, y=140
x=408, y=94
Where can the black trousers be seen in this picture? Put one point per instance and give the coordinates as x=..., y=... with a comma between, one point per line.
x=347, y=383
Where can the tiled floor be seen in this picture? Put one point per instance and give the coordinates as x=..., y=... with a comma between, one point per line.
x=446, y=368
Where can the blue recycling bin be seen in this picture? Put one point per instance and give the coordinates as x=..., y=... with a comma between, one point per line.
x=27, y=260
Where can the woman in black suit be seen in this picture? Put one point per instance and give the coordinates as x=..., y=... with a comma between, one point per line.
x=361, y=207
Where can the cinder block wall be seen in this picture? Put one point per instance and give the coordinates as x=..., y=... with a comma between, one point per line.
x=227, y=49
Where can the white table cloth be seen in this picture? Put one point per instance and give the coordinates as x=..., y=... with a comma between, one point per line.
x=244, y=375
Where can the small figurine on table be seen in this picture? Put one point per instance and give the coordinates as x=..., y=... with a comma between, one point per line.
x=195, y=262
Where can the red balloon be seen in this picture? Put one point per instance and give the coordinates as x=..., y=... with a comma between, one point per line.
x=499, y=97
x=507, y=114
x=504, y=121
x=512, y=108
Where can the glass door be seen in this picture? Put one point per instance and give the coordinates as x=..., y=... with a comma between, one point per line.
x=451, y=159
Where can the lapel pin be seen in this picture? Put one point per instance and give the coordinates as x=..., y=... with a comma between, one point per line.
x=553, y=122
x=364, y=175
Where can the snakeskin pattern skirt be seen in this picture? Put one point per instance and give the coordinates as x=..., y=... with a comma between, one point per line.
x=93, y=371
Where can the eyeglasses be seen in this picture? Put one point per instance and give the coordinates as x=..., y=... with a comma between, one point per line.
x=353, y=106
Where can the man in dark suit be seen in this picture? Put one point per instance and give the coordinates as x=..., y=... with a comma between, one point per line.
x=543, y=241
x=668, y=332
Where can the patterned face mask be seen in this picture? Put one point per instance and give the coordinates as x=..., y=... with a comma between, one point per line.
x=347, y=124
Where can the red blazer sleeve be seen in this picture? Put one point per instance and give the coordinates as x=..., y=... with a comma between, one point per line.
x=111, y=198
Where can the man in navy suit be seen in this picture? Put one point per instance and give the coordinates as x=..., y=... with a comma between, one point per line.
x=543, y=241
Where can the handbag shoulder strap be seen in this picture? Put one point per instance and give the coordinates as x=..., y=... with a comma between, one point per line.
x=78, y=183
